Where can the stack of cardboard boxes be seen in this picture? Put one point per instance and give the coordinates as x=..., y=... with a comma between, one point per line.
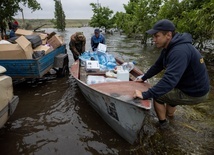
x=22, y=49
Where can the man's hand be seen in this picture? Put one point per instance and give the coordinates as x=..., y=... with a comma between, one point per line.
x=138, y=94
x=139, y=78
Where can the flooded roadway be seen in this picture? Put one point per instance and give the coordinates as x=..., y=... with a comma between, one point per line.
x=53, y=117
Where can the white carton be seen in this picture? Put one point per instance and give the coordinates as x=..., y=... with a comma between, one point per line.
x=101, y=48
x=91, y=79
x=123, y=75
x=92, y=65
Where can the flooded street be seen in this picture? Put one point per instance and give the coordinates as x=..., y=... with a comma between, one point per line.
x=53, y=117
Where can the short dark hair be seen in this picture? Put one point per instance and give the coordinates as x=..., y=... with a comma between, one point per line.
x=165, y=32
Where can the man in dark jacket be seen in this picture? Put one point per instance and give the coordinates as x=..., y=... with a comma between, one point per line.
x=185, y=81
x=96, y=39
x=77, y=44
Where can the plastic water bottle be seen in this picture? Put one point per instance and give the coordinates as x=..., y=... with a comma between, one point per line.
x=128, y=66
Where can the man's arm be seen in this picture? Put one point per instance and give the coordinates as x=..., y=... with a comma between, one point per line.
x=73, y=47
x=83, y=44
x=176, y=66
x=92, y=42
x=154, y=69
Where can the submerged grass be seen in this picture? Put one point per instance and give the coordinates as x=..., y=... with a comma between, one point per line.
x=34, y=23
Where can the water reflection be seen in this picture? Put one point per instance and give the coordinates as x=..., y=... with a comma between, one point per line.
x=53, y=117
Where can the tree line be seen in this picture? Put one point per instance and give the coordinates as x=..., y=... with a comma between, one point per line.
x=193, y=16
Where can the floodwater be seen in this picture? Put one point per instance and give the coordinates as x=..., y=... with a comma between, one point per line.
x=53, y=117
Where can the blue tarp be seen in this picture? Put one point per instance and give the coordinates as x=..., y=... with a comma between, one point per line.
x=106, y=60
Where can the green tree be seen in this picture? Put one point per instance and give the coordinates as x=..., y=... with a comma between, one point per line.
x=170, y=10
x=192, y=16
x=198, y=19
x=9, y=8
x=144, y=16
x=59, y=21
x=139, y=17
x=119, y=19
x=102, y=16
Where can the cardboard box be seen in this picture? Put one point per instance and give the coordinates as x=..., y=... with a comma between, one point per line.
x=92, y=65
x=101, y=48
x=47, y=49
x=55, y=41
x=43, y=37
x=20, y=32
x=26, y=46
x=11, y=51
x=22, y=50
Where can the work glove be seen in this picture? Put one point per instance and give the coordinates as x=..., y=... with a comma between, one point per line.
x=139, y=78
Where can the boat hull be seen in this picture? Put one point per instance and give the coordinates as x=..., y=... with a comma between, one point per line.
x=114, y=102
x=126, y=119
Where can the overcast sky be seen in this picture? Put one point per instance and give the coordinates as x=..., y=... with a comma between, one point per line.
x=74, y=9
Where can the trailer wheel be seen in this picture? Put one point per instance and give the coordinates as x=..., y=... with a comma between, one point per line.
x=62, y=72
x=61, y=62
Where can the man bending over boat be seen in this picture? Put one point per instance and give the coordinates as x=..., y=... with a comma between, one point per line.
x=185, y=81
x=77, y=44
x=96, y=39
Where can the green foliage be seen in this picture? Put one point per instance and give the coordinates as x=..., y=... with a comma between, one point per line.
x=139, y=16
x=9, y=8
x=128, y=25
x=59, y=21
x=170, y=10
x=101, y=17
x=129, y=8
x=198, y=19
x=119, y=19
x=193, y=16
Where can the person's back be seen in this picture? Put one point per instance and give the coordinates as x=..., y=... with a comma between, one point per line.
x=77, y=44
x=194, y=80
x=96, y=39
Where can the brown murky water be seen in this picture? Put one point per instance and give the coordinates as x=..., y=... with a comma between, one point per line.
x=53, y=117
